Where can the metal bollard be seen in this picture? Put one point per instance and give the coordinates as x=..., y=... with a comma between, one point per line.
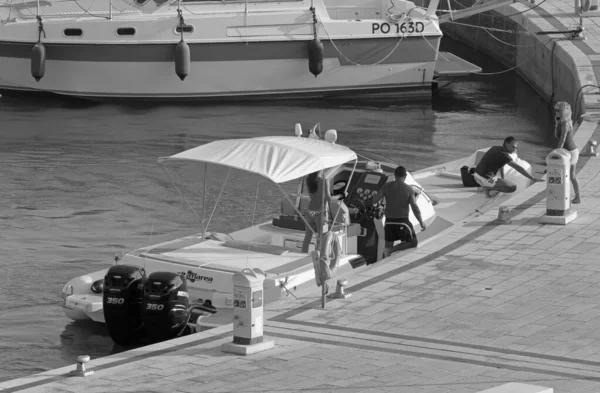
x=590, y=149
x=503, y=215
x=80, y=369
x=339, y=290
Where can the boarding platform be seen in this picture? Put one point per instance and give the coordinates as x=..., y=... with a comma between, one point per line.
x=448, y=64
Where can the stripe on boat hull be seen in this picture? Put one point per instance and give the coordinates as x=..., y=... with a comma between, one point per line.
x=349, y=52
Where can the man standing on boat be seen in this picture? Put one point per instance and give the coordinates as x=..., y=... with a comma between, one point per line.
x=399, y=198
x=486, y=172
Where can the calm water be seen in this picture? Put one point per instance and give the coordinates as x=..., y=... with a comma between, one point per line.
x=80, y=183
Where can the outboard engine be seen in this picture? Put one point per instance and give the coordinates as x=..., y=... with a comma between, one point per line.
x=122, y=302
x=165, y=305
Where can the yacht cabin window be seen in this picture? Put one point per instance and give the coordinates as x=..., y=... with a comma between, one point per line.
x=72, y=32
x=125, y=31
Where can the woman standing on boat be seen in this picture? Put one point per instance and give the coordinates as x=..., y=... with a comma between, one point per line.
x=563, y=130
x=317, y=188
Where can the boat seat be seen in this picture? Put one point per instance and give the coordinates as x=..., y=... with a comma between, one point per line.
x=288, y=212
x=295, y=223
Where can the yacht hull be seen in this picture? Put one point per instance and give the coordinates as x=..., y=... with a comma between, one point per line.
x=224, y=71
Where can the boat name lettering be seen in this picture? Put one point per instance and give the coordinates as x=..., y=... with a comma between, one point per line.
x=191, y=276
x=396, y=28
x=115, y=300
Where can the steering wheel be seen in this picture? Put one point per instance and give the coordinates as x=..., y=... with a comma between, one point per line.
x=357, y=210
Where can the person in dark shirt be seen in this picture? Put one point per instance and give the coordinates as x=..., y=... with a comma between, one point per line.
x=488, y=172
x=399, y=198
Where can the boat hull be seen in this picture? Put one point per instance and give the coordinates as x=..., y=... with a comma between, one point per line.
x=191, y=257
x=261, y=70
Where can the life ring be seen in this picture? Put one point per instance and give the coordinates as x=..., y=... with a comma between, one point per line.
x=329, y=255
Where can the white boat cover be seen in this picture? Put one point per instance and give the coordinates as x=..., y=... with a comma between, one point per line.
x=277, y=158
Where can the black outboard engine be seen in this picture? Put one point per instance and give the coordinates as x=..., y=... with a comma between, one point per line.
x=122, y=302
x=165, y=305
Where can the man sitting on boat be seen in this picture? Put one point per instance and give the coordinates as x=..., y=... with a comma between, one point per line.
x=400, y=198
x=488, y=172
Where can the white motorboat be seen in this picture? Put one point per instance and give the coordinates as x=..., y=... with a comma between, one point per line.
x=208, y=260
x=205, y=262
x=208, y=50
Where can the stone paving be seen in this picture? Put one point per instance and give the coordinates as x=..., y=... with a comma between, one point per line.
x=480, y=305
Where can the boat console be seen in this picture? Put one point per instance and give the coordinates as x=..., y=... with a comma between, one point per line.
x=361, y=236
x=360, y=204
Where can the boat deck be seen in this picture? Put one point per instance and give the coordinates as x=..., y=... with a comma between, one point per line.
x=455, y=202
x=231, y=256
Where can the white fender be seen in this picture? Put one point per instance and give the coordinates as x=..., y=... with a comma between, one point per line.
x=329, y=255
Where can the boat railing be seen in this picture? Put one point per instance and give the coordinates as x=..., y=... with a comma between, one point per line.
x=73, y=8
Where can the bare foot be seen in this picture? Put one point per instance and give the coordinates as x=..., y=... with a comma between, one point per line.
x=576, y=200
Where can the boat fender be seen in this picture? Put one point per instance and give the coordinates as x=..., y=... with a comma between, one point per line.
x=38, y=61
x=329, y=255
x=182, y=59
x=315, y=56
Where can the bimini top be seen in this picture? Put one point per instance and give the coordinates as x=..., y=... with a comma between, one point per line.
x=277, y=158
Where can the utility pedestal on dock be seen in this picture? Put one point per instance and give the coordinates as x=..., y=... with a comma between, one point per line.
x=558, y=189
x=248, y=314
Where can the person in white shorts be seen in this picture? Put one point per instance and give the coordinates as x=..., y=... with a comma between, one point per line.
x=563, y=130
x=488, y=172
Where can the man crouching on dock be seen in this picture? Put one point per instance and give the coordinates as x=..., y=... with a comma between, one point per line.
x=488, y=173
x=399, y=199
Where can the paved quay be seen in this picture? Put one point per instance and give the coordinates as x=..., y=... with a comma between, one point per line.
x=478, y=306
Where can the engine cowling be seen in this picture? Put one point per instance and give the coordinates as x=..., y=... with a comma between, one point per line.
x=122, y=302
x=165, y=305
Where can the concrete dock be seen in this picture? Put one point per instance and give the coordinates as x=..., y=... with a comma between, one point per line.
x=481, y=305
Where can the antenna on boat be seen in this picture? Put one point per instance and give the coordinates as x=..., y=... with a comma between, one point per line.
x=312, y=134
x=298, y=132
